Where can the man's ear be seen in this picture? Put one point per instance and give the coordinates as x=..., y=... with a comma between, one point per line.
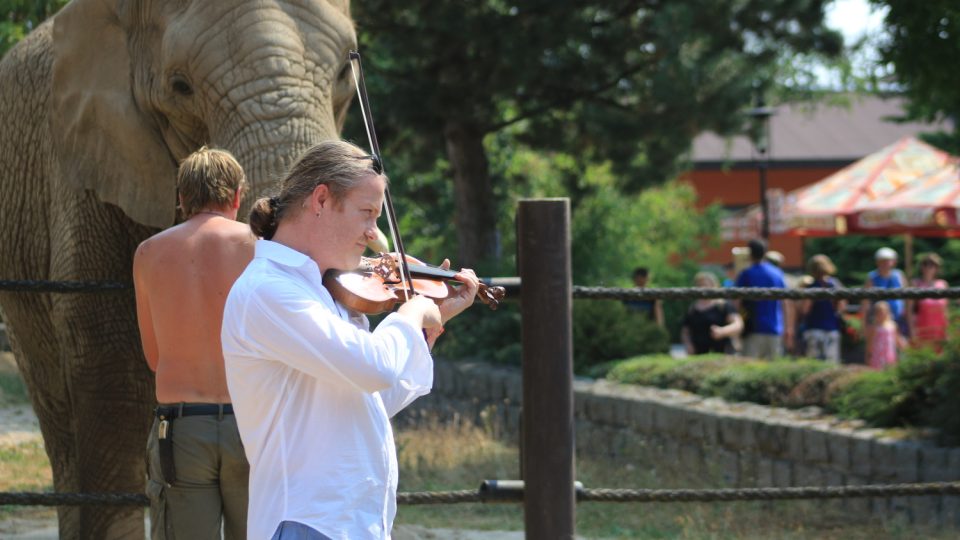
x=237, y=197
x=321, y=197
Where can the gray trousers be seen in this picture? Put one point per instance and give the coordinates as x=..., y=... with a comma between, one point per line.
x=210, y=490
x=292, y=530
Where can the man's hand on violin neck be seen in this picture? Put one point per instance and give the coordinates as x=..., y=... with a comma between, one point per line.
x=463, y=297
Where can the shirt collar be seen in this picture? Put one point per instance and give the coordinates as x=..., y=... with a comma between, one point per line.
x=281, y=254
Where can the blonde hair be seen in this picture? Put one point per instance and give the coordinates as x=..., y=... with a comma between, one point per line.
x=820, y=266
x=337, y=164
x=208, y=178
x=709, y=277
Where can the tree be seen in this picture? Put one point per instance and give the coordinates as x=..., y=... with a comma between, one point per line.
x=629, y=81
x=22, y=16
x=923, y=46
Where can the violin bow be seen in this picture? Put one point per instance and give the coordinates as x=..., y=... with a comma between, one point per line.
x=357, y=69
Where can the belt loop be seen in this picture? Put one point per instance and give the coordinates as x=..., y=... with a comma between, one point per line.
x=180, y=410
x=219, y=411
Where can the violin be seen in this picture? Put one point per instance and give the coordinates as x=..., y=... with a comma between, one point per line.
x=376, y=286
x=383, y=281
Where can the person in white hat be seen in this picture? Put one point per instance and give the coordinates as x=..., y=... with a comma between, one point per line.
x=886, y=276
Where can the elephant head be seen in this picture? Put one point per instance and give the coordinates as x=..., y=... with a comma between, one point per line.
x=139, y=84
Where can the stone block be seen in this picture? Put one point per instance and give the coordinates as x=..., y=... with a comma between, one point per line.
x=815, y=447
x=838, y=450
x=950, y=511
x=809, y=476
x=908, y=462
x=935, y=465
x=782, y=473
x=666, y=419
x=600, y=409
x=711, y=429
x=749, y=470
x=795, y=443
x=764, y=472
x=884, y=457
x=731, y=432
x=953, y=463
x=514, y=389
x=771, y=439
x=641, y=416
x=860, y=456
x=925, y=511
x=729, y=467
x=858, y=506
x=691, y=460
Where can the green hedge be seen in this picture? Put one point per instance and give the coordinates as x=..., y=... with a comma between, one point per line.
x=729, y=377
x=923, y=389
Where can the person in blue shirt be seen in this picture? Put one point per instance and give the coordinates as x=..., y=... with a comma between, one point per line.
x=886, y=276
x=768, y=323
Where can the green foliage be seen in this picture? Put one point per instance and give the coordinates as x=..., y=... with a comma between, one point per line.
x=22, y=16
x=604, y=330
x=923, y=41
x=874, y=396
x=728, y=377
x=483, y=335
x=664, y=371
x=767, y=383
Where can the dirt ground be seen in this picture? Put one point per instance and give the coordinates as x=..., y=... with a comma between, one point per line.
x=18, y=425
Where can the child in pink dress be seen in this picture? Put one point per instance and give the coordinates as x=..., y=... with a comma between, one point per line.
x=882, y=349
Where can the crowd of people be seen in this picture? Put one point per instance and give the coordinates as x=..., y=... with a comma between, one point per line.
x=813, y=328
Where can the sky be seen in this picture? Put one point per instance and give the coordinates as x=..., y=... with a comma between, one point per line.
x=854, y=18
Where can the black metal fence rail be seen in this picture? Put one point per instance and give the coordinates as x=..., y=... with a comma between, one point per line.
x=493, y=491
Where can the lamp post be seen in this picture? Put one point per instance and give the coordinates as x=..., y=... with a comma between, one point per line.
x=761, y=115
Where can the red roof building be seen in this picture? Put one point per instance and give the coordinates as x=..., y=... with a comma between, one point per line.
x=807, y=142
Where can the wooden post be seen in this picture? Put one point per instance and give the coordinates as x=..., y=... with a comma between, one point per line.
x=547, y=457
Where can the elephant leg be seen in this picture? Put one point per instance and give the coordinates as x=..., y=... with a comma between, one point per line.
x=109, y=386
x=40, y=362
x=111, y=399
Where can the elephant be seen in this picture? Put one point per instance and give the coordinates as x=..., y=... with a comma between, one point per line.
x=99, y=104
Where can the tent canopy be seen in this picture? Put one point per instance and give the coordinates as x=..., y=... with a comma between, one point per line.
x=828, y=207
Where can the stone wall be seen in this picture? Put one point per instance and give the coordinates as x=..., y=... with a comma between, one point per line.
x=731, y=444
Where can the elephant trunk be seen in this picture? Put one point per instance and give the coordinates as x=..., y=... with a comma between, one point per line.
x=266, y=151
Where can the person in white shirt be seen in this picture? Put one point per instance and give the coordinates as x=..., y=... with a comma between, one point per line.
x=313, y=388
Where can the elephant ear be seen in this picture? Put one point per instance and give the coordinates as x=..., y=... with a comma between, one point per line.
x=106, y=142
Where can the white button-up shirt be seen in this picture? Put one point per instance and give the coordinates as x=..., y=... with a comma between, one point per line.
x=313, y=391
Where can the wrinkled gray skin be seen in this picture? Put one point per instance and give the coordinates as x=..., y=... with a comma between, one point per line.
x=98, y=106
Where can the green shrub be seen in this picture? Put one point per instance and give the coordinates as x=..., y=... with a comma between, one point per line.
x=605, y=330
x=818, y=388
x=873, y=396
x=767, y=383
x=664, y=371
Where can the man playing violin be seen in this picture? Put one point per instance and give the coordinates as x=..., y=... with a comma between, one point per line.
x=314, y=388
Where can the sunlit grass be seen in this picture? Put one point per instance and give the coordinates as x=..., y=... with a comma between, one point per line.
x=24, y=467
x=459, y=457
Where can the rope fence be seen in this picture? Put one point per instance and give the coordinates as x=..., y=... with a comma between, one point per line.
x=493, y=491
x=511, y=491
x=582, y=292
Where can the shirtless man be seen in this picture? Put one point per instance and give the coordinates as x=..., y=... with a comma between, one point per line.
x=196, y=464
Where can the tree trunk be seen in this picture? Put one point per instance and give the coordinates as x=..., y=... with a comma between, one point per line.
x=476, y=217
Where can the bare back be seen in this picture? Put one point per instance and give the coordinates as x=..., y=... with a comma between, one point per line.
x=182, y=277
